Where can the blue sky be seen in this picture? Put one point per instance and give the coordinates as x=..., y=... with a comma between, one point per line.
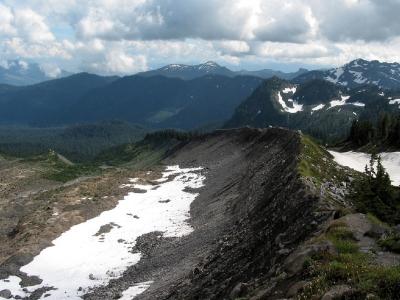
x=128, y=36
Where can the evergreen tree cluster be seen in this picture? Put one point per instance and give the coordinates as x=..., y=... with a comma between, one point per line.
x=78, y=143
x=373, y=193
x=385, y=132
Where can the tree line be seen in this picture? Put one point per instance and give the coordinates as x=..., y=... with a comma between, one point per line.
x=385, y=132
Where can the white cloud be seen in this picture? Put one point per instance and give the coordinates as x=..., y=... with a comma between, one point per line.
x=123, y=36
x=32, y=27
x=51, y=70
x=6, y=19
x=117, y=62
x=232, y=47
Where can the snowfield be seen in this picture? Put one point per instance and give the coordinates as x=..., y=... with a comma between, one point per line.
x=340, y=102
x=292, y=110
x=91, y=253
x=289, y=90
x=395, y=101
x=358, y=161
x=318, y=107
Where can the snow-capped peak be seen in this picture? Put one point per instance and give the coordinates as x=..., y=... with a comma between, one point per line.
x=359, y=72
x=209, y=65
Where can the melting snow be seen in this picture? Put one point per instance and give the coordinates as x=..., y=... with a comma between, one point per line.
x=83, y=257
x=338, y=72
x=357, y=104
x=395, y=101
x=318, y=107
x=135, y=290
x=296, y=107
x=340, y=102
x=289, y=90
x=358, y=161
x=358, y=77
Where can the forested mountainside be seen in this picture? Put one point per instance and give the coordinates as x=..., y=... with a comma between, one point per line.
x=153, y=102
x=318, y=107
x=76, y=142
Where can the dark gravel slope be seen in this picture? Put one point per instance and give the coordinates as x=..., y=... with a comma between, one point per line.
x=253, y=211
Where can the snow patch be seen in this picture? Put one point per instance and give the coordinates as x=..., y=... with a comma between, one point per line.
x=358, y=77
x=337, y=73
x=395, y=101
x=360, y=104
x=292, y=110
x=340, y=102
x=289, y=90
x=358, y=161
x=318, y=107
x=135, y=290
x=85, y=256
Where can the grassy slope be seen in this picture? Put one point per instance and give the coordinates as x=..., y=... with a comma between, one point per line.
x=136, y=156
x=348, y=265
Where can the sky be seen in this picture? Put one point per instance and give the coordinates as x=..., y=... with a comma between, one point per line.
x=129, y=36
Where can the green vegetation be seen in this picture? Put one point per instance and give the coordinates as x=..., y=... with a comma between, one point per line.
x=80, y=143
x=149, y=151
x=59, y=169
x=316, y=163
x=373, y=193
x=385, y=133
x=351, y=267
x=391, y=243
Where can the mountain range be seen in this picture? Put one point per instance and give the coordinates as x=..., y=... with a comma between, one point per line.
x=318, y=107
x=353, y=74
x=188, y=72
x=19, y=72
x=322, y=103
x=157, y=101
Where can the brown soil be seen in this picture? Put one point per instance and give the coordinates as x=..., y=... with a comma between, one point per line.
x=35, y=211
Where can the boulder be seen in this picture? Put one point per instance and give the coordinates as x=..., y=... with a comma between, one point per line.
x=294, y=263
x=295, y=289
x=377, y=231
x=6, y=294
x=337, y=292
x=239, y=290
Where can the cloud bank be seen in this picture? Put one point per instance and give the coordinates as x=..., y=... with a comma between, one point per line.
x=127, y=36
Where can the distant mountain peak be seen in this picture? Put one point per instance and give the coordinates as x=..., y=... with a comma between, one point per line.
x=211, y=63
x=359, y=72
x=188, y=72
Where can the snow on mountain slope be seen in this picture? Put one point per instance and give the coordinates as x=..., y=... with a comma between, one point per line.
x=292, y=107
x=358, y=161
x=359, y=72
